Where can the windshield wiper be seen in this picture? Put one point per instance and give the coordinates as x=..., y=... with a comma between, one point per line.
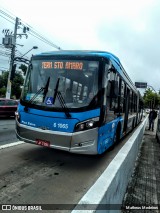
x=63, y=104
x=38, y=92
x=56, y=90
x=61, y=100
x=46, y=89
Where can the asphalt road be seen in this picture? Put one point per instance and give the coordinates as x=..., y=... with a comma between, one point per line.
x=7, y=130
x=31, y=174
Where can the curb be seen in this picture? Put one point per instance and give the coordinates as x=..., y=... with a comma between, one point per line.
x=109, y=189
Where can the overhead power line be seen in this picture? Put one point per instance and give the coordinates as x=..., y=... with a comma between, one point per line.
x=6, y=19
x=31, y=32
x=6, y=14
x=4, y=54
x=40, y=37
x=4, y=48
x=44, y=40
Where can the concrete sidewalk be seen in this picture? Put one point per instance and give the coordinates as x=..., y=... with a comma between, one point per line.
x=143, y=191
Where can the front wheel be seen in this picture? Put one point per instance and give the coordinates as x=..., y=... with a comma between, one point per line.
x=116, y=139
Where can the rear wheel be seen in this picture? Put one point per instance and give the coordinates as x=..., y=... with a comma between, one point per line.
x=117, y=135
x=133, y=124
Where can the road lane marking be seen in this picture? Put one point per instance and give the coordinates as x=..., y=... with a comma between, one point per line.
x=11, y=144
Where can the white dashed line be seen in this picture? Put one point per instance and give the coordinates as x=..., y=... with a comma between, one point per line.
x=11, y=144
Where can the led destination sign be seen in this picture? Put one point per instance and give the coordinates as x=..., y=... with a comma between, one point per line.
x=62, y=65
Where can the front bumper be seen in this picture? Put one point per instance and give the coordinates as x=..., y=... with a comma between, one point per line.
x=84, y=142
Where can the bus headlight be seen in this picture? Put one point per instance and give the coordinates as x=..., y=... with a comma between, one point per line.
x=85, y=125
x=90, y=124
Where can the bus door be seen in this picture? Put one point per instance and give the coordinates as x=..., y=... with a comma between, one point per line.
x=126, y=110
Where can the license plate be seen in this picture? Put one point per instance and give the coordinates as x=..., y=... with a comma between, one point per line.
x=42, y=142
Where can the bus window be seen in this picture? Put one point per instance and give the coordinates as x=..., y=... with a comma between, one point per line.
x=135, y=104
x=115, y=95
x=122, y=96
x=79, y=88
x=113, y=90
x=123, y=92
x=74, y=90
x=85, y=92
x=77, y=83
x=108, y=92
x=131, y=102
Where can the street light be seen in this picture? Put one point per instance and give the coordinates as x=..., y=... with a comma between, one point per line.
x=13, y=58
x=21, y=59
x=34, y=47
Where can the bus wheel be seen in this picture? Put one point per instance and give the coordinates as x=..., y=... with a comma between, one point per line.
x=133, y=124
x=117, y=135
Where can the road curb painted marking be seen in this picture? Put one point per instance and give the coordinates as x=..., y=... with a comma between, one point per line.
x=110, y=187
x=11, y=144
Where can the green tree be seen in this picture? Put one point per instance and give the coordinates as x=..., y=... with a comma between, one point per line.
x=151, y=99
x=2, y=91
x=3, y=83
x=16, y=84
x=3, y=79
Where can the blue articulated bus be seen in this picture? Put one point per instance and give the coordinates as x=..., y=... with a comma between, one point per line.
x=78, y=101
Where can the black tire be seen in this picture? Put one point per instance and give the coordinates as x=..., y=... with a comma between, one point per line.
x=133, y=124
x=117, y=135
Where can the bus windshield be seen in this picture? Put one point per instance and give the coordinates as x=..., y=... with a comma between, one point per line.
x=77, y=83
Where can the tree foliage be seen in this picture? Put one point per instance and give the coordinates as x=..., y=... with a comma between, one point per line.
x=3, y=83
x=16, y=84
x=3, y=79
x=151, y=99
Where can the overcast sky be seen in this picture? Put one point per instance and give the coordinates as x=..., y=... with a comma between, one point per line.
x=128, y=28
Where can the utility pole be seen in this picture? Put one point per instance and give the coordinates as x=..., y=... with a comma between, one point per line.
x=10, y=42
x=8, y=92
